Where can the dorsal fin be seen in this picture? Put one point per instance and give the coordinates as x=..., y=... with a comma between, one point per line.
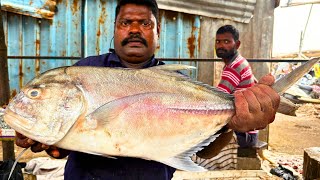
x=173, y=67
x=173, y=71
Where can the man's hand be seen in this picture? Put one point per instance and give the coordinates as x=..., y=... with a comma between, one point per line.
x=255, y=106
x=23, y=141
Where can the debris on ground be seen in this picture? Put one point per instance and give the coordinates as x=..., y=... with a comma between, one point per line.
x=282, y=164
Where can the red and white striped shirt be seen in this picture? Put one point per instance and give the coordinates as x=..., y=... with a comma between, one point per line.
x=236, y=75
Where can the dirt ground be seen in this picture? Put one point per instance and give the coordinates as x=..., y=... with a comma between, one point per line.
x=288, y=134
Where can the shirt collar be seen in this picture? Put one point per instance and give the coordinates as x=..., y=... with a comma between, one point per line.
x=114, y=58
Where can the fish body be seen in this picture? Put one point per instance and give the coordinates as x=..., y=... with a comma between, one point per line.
x=154, y=113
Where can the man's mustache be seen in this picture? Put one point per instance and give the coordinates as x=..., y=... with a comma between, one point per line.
x=223, y=50
x=134, y=38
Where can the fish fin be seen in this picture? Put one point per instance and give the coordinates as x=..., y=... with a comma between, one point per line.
x=173, y=67
x=172, y=70
x=104, y=155
x=113, y=108
x=184, y=162
x=214, y=89
x=288, y=80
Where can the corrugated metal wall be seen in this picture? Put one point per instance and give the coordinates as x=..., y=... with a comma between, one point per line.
x=235, y=10
x=83, y=28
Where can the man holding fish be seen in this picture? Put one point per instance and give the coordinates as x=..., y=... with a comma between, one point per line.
x=136, y=38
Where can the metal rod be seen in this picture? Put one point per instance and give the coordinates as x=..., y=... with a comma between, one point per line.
x=162, y=59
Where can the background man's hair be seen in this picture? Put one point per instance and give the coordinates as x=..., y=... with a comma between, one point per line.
x=230, y=29
x=152, y=4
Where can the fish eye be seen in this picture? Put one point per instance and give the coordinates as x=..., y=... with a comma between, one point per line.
x=34, y=93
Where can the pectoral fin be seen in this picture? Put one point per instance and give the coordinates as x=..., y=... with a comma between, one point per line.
x=216, y=146
x=112, y=109
x=184, y=162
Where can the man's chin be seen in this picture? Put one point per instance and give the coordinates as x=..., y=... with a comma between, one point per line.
x=136, y=57
x=135, y=51
x=220, y=55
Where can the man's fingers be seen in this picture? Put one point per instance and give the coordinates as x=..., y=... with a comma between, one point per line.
x=23, y=142
x=30, y=141
x=38, y=147
x=252, y=101
x=267, y=80
x=264, y=101
x=54, y=153
x=274, y=96
x=20, y=136
x=57, y=152
x=242, y=111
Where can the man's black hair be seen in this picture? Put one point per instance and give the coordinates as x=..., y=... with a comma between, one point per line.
x=229, y=29
x=152, y=4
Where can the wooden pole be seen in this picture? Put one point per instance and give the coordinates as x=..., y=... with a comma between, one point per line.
x=7, y=145
x=311, y=163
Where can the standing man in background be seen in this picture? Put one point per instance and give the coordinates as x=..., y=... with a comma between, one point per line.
x=237, y=73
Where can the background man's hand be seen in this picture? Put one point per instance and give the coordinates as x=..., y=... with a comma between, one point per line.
x=255, y=106
x=23, y=141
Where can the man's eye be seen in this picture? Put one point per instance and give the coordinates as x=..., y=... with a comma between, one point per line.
x=146, y=23
x=124, y=23
x=226, y=41
x=217, y=42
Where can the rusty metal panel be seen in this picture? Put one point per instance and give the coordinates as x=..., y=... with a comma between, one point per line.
x=236, y=10
x=35, y=8
x=85, y=28
x=30, y=36
x=179, y=37
x=99, y=17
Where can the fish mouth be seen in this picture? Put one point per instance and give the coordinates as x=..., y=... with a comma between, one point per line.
x=16, y=122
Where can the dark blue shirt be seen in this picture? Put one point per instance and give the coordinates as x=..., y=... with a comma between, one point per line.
x=82, y=166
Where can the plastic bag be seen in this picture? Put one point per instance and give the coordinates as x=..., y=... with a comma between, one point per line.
x=5, y=169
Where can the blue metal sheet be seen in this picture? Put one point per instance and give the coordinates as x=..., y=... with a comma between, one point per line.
x=34, y=8
x=98, y=26
x=179, y=37
x=28, y=41
x=85, y=28
x=61, y=36
x=14, y=47
x=44, y=43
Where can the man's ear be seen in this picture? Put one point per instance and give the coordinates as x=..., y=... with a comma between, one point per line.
x=238, y=44
x=158, y=29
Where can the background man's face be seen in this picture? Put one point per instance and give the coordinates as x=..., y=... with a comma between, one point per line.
x=226, y=47
x=136, y=33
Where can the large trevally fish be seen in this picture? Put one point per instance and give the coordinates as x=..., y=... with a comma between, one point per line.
x=155, y=113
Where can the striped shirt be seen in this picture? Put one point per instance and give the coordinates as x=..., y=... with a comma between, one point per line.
x=236, y=75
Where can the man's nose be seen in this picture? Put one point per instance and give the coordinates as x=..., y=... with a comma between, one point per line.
x=219, y=45
x=135, y=27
